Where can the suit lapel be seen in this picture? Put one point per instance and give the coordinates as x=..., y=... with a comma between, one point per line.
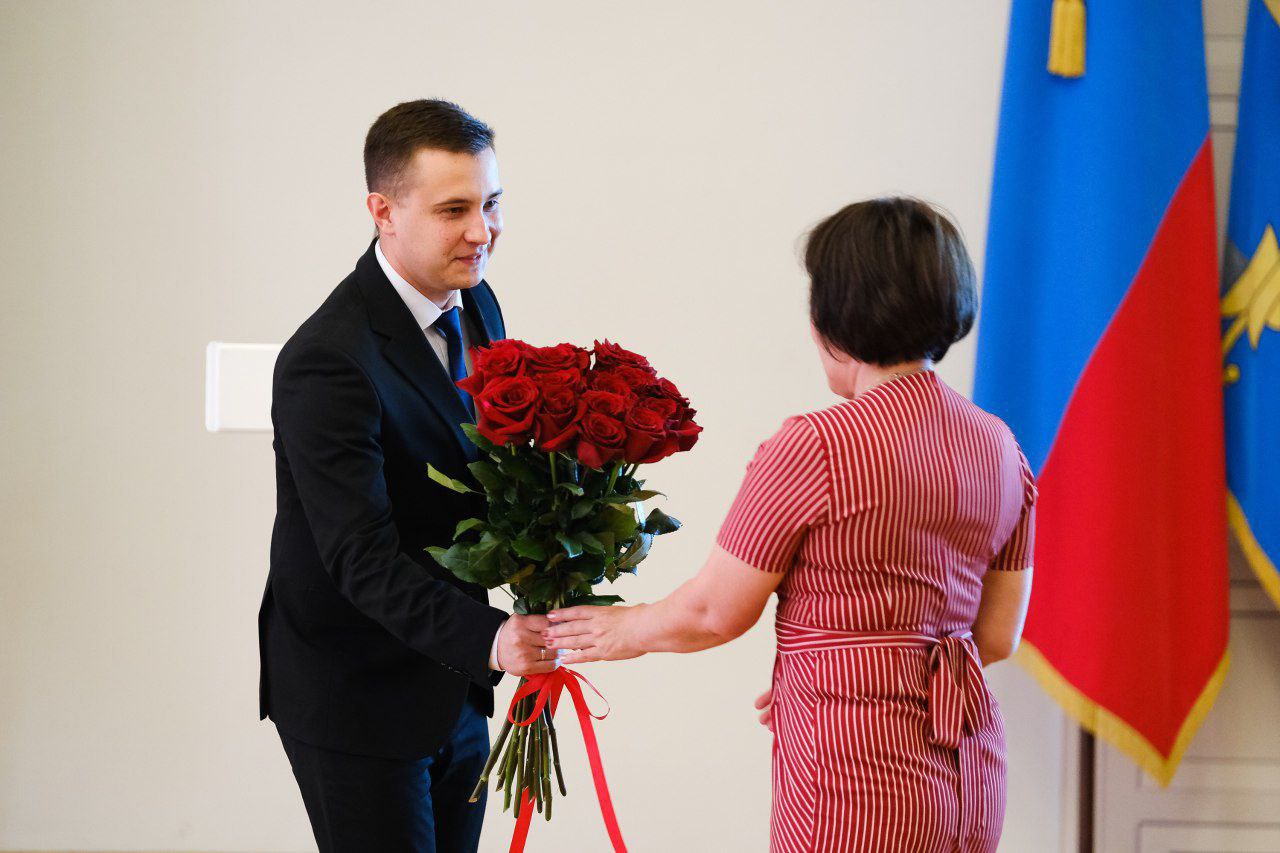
x=408, y=350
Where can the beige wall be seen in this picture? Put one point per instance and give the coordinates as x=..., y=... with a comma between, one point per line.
x=176, y=173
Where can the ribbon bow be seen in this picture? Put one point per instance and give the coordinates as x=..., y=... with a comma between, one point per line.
x=548, y=686
x=955, y=676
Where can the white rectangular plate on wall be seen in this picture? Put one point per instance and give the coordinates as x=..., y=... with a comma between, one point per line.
x=237, y=386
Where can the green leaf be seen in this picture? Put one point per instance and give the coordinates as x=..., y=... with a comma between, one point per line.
x=524, y=574
x=485, y=565
x=636, y=552
x=448, y=482
x=456, y=559
x=571, y=488
x=619, y=520
x=477, y=439
x=582, y=509
x=488, y=475
x=598, y=600
x=588, y=566
x=572, y=548
x=590, y=543
x=633, y=497
x=529, y=549
x=542, y=591
x=518, y=517
x=520, y=606
x=658, y=522
x=522, y=471
x=467, y=524
x=607, y=542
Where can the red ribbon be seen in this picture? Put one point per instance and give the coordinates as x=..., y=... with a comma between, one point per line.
x=548, y=686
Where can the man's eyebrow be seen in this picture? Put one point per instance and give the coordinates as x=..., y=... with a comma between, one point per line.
x=458, y=201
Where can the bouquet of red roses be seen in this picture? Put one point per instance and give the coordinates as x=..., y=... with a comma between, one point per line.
x=562, y=431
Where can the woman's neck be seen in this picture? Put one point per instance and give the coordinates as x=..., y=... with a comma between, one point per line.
x=869, y=376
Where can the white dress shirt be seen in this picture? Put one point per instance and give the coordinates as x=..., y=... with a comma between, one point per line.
x=425, y=313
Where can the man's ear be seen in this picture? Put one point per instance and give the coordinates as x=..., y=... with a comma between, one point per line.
x=380, y=209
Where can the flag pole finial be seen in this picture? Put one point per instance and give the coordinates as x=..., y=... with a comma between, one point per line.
x=1066, y=39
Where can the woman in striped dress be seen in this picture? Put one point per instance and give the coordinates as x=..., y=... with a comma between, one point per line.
x=896, y=528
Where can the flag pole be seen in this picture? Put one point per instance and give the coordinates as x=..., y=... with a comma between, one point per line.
x=1087, y=790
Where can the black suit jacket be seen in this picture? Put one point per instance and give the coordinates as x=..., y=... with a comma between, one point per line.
x=367, y=646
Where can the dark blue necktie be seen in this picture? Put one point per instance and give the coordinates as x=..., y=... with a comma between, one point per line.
x=450, y=325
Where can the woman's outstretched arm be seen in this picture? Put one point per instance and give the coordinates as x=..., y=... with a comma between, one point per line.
x=720, y=603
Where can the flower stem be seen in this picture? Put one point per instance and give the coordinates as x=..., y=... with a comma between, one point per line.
x=555, y=749
x=521, y=777
x=544, y=765
x=493, y=759
x=536, y=757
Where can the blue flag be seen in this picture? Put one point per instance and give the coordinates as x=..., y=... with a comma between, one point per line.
x=1251, y=303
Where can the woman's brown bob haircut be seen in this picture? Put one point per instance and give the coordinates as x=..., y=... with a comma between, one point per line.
x=890, y=281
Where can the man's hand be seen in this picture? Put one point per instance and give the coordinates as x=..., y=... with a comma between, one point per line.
x=764, y=704
x=520, y=646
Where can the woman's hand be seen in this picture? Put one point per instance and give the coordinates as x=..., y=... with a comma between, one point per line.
x=592, y=633
x=764, y=704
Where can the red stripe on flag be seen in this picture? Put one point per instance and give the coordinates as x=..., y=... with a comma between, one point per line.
x=1130, y=594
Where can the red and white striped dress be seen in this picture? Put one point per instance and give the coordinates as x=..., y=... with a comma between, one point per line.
x=885, y=511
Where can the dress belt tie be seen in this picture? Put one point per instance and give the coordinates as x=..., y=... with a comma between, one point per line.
x=958, y=701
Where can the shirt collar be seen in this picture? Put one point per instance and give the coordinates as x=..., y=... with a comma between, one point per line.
x=425, y=312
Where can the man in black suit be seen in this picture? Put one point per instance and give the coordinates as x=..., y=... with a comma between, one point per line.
x=377, y=665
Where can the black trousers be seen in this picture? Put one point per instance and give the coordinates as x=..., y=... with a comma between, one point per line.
x=359, y=804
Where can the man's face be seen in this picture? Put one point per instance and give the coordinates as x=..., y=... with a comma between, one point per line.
x=444, y=219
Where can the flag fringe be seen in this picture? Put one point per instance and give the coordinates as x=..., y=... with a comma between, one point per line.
x=1263, y=568
x=1115, y=731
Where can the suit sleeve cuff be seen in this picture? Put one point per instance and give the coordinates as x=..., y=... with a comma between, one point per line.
x=494, y=663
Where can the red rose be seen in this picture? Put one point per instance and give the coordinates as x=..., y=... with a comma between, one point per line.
x=611, y=355
x=686, y=431
x=605, y=380
x=601, y=440
x=501, y=358
x=667, y=389
x=558, y=357
x=613, y=405
x=638, y=380
x=571, y=378
x=506, y=409
x=556, y=425
x=662, y=405
x=681, y=421
x=505, y=358
x=648, y=439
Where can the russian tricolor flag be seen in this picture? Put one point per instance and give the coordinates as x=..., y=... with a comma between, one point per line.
x=1099, y=344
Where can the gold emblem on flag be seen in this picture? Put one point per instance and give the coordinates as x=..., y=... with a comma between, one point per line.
x=1253, y=302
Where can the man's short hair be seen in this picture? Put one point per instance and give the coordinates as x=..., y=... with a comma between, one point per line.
x=403, y=130
x=890, y=281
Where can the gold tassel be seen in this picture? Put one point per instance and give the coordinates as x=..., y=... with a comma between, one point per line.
x=1066, y=39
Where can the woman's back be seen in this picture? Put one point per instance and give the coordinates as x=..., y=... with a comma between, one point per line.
x=924, y=489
